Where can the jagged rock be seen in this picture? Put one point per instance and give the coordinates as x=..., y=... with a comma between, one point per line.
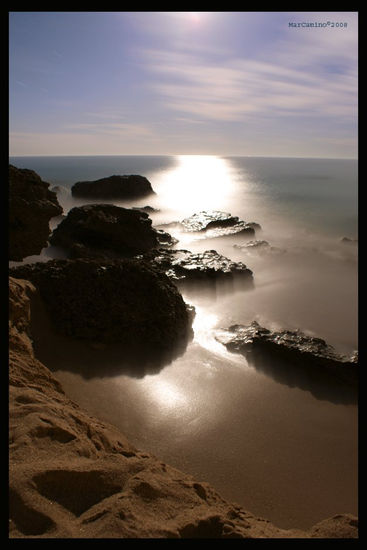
x=184, y=266
x=113, y=187
x=293, y=347
x=72, y=476
x=218, y=224
x=124, y=301
x=105, y=230
x=31, y=206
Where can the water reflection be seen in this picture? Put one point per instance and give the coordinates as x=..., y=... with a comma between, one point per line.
x=292, y=373
x=167, y=395
x=198, y=182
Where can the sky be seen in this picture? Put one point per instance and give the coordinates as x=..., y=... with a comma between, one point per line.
x=167, y=83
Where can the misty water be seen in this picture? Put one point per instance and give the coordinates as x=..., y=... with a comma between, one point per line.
x=283, y=447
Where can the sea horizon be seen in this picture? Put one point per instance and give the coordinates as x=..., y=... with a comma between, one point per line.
x=188, y=154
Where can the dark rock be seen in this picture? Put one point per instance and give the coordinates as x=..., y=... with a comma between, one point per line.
x=113, y=187
x=185, y=265
x=208, y=272
x=31, y=206
x=124, y=301
x=294, y=348
x=218, y=224
x=105, y=230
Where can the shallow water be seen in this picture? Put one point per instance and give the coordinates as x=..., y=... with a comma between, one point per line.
x=284, y=448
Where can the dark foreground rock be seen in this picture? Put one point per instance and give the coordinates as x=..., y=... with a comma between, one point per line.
x=123, y=301
x=113, y=187
x=105, y=230
x=31, y=206
x=207, y=267
x=219, y=224
x=72, y=476
x=294, y=348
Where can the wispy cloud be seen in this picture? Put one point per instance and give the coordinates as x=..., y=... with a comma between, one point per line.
x=195, y=85
x=175, y=82
x=112, y=128
x=309, y=71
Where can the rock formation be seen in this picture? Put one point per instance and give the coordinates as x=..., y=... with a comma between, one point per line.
x=31, y=206
x=259, y=247
x=219, y=224
x=293, y=347
x=105, y=230
x=185, y=267
x=73, y=476
x=124, y=301
x=113, y=187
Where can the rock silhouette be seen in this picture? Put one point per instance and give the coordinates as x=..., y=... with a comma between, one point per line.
x=31, y=206
x=105, y=230
x=113, y=187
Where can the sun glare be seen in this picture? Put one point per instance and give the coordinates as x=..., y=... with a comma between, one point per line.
x=197, y=182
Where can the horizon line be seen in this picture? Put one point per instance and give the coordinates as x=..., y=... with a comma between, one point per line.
x=187, y=155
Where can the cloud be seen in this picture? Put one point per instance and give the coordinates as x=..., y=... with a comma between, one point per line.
x=310, y=73
x=112, y=128
x=193, y=85
x=83, y=139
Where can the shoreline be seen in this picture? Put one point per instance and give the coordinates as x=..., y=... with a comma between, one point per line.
x=132, y=299
x=124, y=492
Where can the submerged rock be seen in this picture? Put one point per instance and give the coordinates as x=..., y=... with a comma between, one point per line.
x=124, y=301
x=184, y=266
x=293, y=347
x=31, y=206
x=217, y=224
x=259, y=246
x=113, y=187
x=105, y=230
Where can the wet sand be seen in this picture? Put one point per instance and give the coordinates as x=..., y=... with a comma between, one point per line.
x=276, y=448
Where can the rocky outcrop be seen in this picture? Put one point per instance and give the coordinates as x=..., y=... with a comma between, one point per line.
x=125, y=302
x=73, y=476
x=295, y=348
x=219, y=224
x=107, y=231
x=209, y=267
x=113, y=187
x=31, y=206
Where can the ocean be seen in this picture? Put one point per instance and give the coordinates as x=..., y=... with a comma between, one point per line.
x=283, y=448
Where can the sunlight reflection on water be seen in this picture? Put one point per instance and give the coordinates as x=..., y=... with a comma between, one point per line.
x=198, y=182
